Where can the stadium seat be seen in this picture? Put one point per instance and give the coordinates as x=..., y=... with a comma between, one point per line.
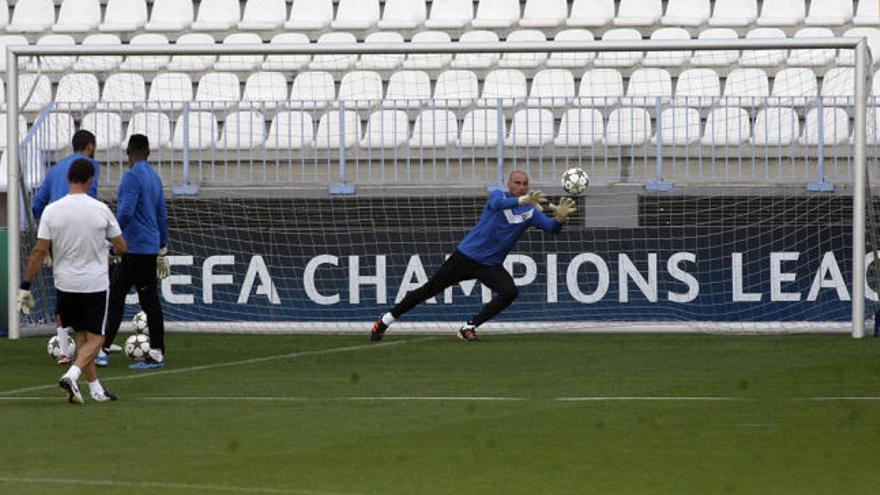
x=628, y=127
x=679, y=126
x=171, y=16
x=11, y=39
x=42, y=93
x=169, y=91
x=4, y=14
x=829, y=13
x=335, y=130
x=812, y=57
x=360, y=89
x=122, y=91
x=699, y=88
x=544, y=14
x=55, y=63
x=217, y=90
x=619, y=59
x=727, y=126
x=155, y=125
x=496, y=14
x=746, y=87
x=450, y=14
x=435, y=128
x=600, y=88
x=867, y=14
x=312, y=90
x=356, y=15
x=381, y=61
x=193, y=63
x=690, y=13
x=776, y=126
x=240, y=63
x=482, y=128
x=591, y=13
x=476, y=60
x=124, y=16
x=310, y=15
x=524, y=60
x=103, y=63
x=202, y=127
x=287, y=62
x=875, y=84
x=386, y=129
x=407, y=89
x=76, y=92
x=838, y=86
x=668, y=58
x=263, y=15
x=146, y=63
x=22, y=129
x=217, y=15
x=763, y=58
x=734, y=13
x=403, y=14
x=290, y=130
x=782, y=13
x=507, y=86
x=334, y=62
x=833, y=130
x=531, y=127
x=571, y=60
x=794, y=87
x=580, y=127
x=455, y=89
x=646, y=85
x=551, y=88
x=428, y=61
x=56, y=132
x=32, y=16
x=264, y=91
x=716, y=58
x=78, y=16
x=638, y=13
x=847, y=57
x=242, y=130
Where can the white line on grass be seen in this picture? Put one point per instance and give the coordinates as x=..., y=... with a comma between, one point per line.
x=180, y=486
x=601, y=399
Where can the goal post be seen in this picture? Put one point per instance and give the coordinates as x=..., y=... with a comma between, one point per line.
x=653, y=157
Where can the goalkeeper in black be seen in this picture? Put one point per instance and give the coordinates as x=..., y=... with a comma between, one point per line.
x=481, y=253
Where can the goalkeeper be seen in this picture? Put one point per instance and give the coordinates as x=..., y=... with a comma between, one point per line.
x=482, y=251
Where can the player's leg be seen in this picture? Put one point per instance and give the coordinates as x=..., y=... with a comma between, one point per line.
x=497, y=279
x=66, y=306
x=144, y=271
x=120, y=283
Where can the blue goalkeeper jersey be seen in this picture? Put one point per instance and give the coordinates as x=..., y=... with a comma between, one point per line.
x=140, y=209
x=55, y=186
x=502, y=223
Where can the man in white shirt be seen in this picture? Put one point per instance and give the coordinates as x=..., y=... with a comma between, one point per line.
x=76, y=227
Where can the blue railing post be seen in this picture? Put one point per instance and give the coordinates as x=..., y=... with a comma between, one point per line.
x=342, y=187
x=820, y=185
x=186, y=188
x=499, y=148
x=659, y=184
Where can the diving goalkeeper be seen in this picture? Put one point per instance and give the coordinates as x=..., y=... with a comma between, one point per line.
x=481, y=253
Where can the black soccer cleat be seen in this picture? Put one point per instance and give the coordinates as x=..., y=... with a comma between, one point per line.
x=378, y=330
x=468, y=333
x=72, y=389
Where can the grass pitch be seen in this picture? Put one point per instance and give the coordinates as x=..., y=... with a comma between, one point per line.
x=515, y=414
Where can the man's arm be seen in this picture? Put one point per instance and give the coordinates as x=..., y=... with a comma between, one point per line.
x=127, y=199
x=498, y=201
x=162, y=218
x=546, y=223
x=93, y=190
x=41, y=199
x=36, y=259
x=119, y=245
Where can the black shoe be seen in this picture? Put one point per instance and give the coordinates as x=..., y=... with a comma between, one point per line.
x=104, y=396
x=378, y=330
x=468, y=333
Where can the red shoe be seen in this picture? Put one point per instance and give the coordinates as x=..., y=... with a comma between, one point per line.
x=378, y=330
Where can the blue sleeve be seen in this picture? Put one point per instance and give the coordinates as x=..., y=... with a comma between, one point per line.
x=93, y=191
x=162, y=218
x=42, y=197
x=546, y=223
x=126, y=200
x=498, y=201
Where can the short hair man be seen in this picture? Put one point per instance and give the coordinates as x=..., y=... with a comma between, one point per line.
x=77, y=227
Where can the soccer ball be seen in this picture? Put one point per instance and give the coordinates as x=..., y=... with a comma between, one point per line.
x=137, y=346
x=54, y=347
x=575, y=181
x=139, y=322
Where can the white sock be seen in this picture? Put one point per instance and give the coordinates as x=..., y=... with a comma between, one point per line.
x=73, y=373
x=96, y=388
x=63, y=341
x=388, y=318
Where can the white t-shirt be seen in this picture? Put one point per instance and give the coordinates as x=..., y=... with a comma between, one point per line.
x=78, y=225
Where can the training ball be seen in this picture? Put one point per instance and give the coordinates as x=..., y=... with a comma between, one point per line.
x=54, y=347
x=137, y=346
x=139, y=322
x=575, y=181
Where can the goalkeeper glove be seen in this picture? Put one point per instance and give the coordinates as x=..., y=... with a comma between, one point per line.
x=534, y=198
x=561, y=211
x=163, y=267
x=25, y=299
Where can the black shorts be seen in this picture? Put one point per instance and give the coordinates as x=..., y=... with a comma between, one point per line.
x=84, y=311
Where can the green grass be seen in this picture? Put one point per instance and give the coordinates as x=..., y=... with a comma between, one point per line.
x=768, y=438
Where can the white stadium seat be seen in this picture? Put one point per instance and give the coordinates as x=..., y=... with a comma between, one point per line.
x=57, y=131
x=263, y=15
x=872, y=132
x=531, y=127
x=264, y=90
x=868, y=13
x=638, y=13
x=829, y=13
x=103, y=63
x=107, y=128
x=524, y=60
x=838, y=86
x=496, y=14
x=480, y=128
x=833, y=130
x=646, y=85
x=42, y=91
x=776, y=126
x=580, y=127
x=290, y=130
x=746, y=87
x=310, y=15
x=171, y=16
x=7, y=40
x=146, y=63
x=816, y=57
x=679, y=126
x=628, y=127
x=727, y=126
x=552, y=88
x=544, y=13
x=450, y=14
x=329, y=136
x=504, y=86
x=78, y=16
x=698, y=88
x=287, y=62
x=591, y=13
x=794, y=87
x=197, y=130
x=619, y=59
x=782, y=13
x=217, y=15
x=360, y=89
x=476, y=60
x=242, y=130
x=571, y=60
x=155, y=125
x=734, y=13
x=240, y=63
x=428, y=60
x=334, y=62
x=121, y=91
x=716, y=58
x=312, y=90
x=600, y=88
x=32, y=16
x=76, y=92
x=22, y=129
x=124, y=16
x=764, y=58
x=875, y=85
x=55, y=63
x=4, y=14
x=847, y=57
x=455, y=89
x=408, y=89
x=216, y=91
x=386, y=129
x=381, y=61
x=194, y=63
x=356, y=15
x=435, y=128
x=169, y=91
x=690, y=13
x=668, y=58
x=403, y=14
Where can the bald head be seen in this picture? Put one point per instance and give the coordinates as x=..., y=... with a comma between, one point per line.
x=518, y=183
